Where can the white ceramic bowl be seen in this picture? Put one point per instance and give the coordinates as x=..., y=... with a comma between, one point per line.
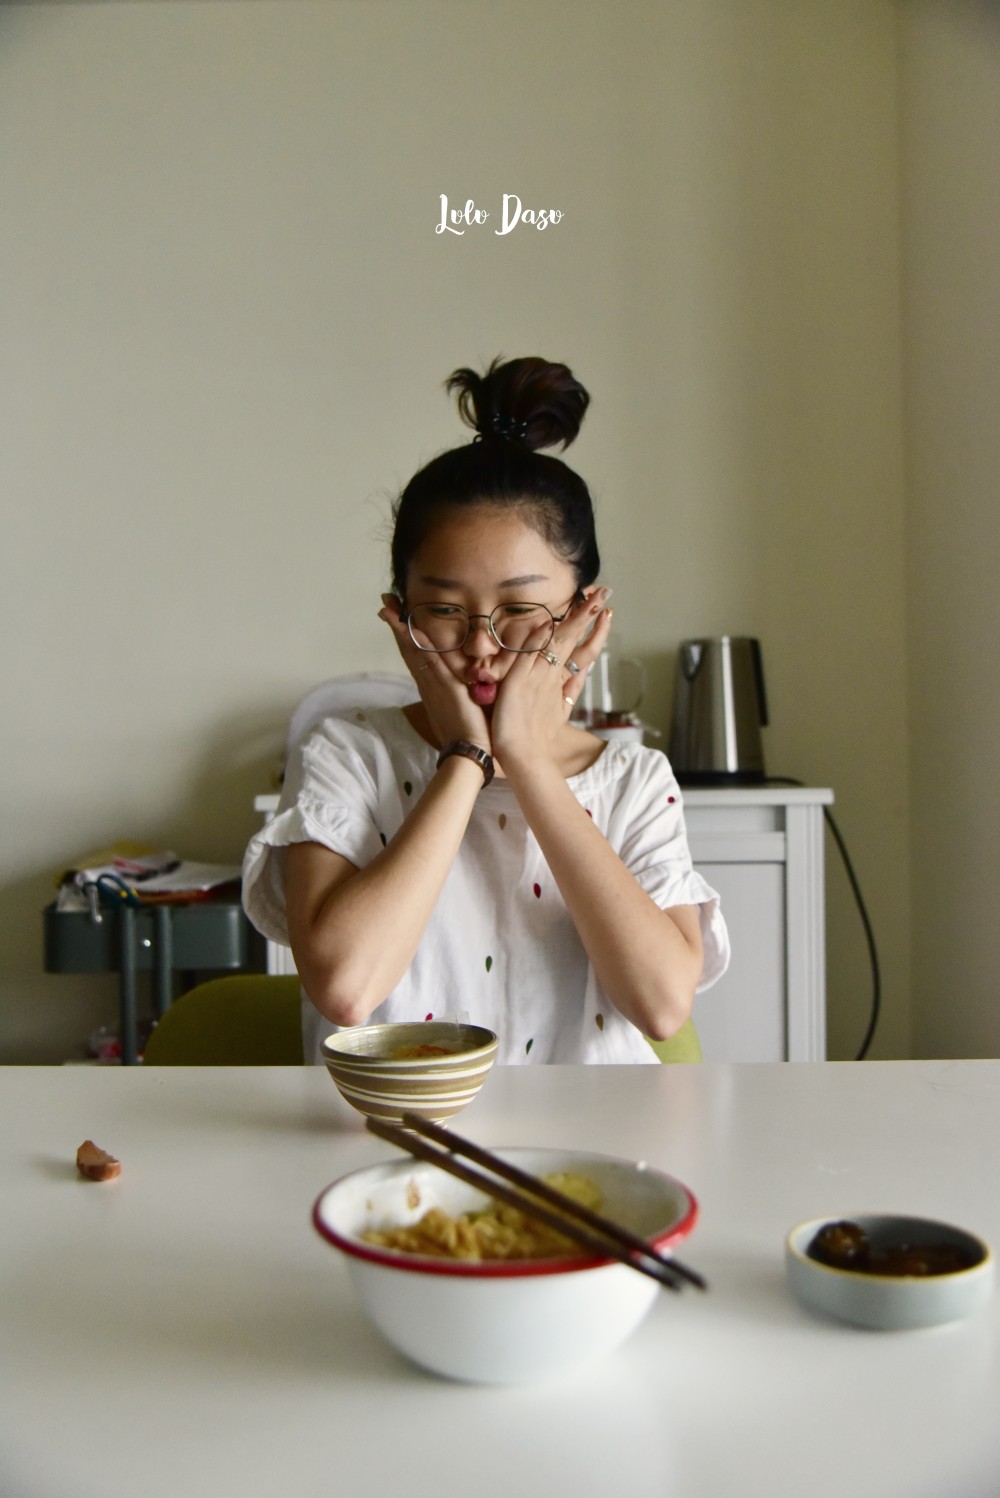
x=887, y=1302
x=509, y=1321
x=367, y=1064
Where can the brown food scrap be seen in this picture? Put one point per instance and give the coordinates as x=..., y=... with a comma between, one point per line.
x=842, y=1245
x=96, y=1164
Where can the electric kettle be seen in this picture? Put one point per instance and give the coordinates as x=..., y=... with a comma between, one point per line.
x=719, y=710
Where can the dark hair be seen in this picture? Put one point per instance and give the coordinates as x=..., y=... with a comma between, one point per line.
x=515, y=407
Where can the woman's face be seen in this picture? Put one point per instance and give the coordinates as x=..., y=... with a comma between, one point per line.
x=479, y=558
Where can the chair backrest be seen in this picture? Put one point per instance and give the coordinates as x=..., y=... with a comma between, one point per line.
x=248, y=1019
x=684, y=1046
x=342, y=694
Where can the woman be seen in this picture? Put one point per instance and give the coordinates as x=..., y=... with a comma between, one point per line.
x=477, y=852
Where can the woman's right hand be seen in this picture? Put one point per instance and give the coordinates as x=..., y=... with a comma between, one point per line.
x=450, y=711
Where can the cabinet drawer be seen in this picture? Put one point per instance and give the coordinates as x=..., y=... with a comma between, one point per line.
x=736, y=847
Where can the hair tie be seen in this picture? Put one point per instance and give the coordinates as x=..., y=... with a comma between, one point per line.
x=509, y=427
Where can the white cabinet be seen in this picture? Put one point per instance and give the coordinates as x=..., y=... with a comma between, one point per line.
x=762, y=849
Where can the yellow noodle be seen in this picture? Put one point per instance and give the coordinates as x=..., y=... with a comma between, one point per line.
x=496, y=1232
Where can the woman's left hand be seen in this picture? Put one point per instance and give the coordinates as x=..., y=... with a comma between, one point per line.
x=539, y=691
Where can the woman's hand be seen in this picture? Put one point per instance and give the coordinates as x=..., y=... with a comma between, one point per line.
x=536, y=697
x=451, y=712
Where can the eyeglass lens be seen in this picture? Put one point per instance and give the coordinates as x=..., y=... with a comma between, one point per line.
x=441, y=627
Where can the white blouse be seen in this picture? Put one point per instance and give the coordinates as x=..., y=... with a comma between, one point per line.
x=500, y=947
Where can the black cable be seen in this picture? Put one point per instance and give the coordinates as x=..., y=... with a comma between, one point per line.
x=862, y=911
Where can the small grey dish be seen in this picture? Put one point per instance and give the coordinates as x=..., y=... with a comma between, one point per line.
x=890, y=1302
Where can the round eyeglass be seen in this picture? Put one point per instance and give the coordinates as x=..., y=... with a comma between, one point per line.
x=439, y=627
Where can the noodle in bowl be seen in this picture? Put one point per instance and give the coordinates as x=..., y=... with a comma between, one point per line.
x=508, y=1320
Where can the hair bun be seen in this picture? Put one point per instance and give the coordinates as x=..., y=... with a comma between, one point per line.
x=528, y=402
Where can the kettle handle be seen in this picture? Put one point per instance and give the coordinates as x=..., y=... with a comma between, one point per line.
x=758, y=676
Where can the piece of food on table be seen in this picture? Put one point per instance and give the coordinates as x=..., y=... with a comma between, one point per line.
x=95, y=1164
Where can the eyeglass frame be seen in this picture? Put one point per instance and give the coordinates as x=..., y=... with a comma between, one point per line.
x=514, y=603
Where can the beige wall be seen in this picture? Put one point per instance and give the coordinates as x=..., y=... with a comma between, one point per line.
x=229, y=319
x=951, y=140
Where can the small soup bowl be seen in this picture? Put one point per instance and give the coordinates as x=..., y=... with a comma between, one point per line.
x=500, y=1321
x=434, y=1068
x=891, y=1302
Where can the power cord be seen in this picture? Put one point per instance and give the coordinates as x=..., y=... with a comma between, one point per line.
x=862, y=911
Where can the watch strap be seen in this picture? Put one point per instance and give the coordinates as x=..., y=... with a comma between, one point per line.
x=469, y=751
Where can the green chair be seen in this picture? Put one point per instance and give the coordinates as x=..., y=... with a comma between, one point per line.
x=250, y=1019
x=684, y=1046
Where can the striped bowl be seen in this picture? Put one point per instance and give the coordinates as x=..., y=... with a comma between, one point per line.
x=432, y=1067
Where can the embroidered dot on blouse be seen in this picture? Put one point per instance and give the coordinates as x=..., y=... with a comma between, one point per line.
x=489, y=963
x=538, y=891
x=599, y=1021
x=529, y=1045
x=502, y=820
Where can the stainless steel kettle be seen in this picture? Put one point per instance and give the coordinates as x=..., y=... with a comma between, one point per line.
x=719, y=710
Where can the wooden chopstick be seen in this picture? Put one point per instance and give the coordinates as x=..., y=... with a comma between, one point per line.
x=603, y=1225
x=444, y=1160
x=591, y=1231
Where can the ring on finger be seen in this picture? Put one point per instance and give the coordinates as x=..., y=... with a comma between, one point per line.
x=547, y=655
x=572, y=668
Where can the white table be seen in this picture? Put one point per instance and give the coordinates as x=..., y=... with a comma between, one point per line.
x=183, y=1333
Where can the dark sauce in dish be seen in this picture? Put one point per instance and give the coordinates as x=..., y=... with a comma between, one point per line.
x=846, y=1245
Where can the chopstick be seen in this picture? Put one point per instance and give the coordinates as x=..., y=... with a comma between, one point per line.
x=529, y=1194
x=602, y=1225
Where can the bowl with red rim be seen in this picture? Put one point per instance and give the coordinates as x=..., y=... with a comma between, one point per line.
x=508, y=1320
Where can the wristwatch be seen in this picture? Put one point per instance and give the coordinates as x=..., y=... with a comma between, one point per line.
x=470, y=751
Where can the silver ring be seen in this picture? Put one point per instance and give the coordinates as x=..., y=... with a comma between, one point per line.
x=424, y=668
x=547, y=655
x=572, y=668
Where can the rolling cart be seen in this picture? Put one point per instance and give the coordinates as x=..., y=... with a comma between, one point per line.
x=200, y=936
